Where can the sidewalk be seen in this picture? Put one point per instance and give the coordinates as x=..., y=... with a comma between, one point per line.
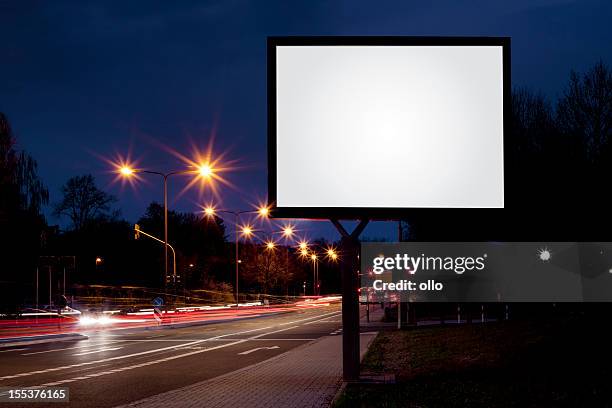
x=306, y=376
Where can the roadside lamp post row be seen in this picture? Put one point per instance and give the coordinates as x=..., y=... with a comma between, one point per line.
x=305, y=253
x=207, y=172
x=245, y=230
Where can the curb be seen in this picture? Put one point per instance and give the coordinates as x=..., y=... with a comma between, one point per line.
x=48, y=338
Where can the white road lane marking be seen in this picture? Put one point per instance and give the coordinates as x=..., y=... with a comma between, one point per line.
x=6, y=351
x=97, y=351
x=325, y=321
x=314, y=338
x=257, y=349
x=61, y=349
x=174, y=347
x=162, y=360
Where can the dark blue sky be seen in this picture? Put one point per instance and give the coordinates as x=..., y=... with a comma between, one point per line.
x=104, y=77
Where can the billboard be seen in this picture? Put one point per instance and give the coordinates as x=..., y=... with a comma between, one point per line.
x=368, y=126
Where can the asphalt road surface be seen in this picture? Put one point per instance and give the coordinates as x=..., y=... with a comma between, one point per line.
x=119, y=366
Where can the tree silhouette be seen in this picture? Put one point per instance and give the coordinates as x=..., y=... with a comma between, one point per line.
x=83, y=202
x=22, y=196
x=584, y=113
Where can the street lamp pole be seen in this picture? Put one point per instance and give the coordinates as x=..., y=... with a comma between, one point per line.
x=314, y=273
x=210, y=211
x=236, y=216
x=204, y=170
x=165, y=177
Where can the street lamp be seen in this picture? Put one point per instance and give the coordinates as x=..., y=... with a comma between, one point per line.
x=246, y=230
x=263, y=211
x=288, y=231
x=315, y=272
x=332, y=254
x=204, y=170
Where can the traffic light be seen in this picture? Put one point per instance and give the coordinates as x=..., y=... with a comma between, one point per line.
x=136, y=231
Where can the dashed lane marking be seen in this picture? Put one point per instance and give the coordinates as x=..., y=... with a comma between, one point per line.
x=98, y=351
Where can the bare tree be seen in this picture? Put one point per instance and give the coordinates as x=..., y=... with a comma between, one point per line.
x=266, y=268
x=532, y=123
x=83, y=202
x=584, y=113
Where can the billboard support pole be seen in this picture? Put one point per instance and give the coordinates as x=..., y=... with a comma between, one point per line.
x=349, y=245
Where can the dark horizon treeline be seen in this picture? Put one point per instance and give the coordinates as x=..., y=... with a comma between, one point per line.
x=558, y=159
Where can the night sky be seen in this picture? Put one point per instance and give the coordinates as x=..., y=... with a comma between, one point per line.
x=84, y=81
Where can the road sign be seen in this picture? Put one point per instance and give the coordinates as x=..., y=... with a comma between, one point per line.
x=158, y=301
x=158, y=315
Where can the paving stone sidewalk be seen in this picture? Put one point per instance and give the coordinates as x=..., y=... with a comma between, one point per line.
x=306, y=376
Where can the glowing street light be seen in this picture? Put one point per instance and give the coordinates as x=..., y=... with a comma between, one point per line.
x=332, y=254
x=247, y=231
x=270, y=245
x=303, y=245
x=288, y=231
x=209, y=211
x=126, y=171
x=263, y=211
x=205, y=170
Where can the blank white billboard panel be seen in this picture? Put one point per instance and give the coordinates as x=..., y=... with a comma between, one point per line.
x=389, y=126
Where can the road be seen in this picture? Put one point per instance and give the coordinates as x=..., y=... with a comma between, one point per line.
x=115, y=367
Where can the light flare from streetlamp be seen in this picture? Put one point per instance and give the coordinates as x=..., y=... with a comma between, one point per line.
x=263, y=211
x=209, y=211
x=126, y=171
x=270, y=245
x=208, y=168
x=247, y=230
x=205, y=170
x=332, y=254
x=288, y=231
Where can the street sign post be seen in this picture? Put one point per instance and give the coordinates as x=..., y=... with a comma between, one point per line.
x=158, y=315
